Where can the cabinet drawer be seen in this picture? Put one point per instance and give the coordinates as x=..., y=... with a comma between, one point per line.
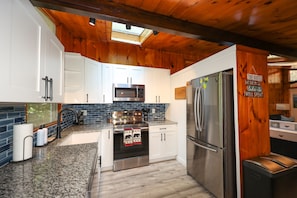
x=274, y=124
x=160, y=128
x=284, y=135
x=288, y=126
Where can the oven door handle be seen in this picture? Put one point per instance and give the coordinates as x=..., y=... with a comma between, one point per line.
x=121, y=131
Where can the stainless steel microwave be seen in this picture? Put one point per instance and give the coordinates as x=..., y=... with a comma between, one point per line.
x=128, y=93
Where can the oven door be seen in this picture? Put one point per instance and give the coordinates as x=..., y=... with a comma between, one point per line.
x=122, y=151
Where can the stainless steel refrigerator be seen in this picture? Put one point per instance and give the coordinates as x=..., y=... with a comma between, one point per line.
x=210, y=133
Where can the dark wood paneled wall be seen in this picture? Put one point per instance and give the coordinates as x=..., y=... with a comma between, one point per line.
x=116, y=52
x=253, y=120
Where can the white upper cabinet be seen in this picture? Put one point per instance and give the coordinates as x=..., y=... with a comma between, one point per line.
x=74, y=78
x=5, y=23
x=82, y=79
x=157, y=85
x=107, y=73
x=124, y=74
x=54, y=69
x=28, y=54
x=92, y=81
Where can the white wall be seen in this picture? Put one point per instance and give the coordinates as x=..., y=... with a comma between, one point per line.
x=220, y=61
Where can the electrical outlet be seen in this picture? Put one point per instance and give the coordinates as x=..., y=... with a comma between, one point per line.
x=153, y=110
x=85, y=112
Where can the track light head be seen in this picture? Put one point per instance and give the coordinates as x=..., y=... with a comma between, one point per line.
x=92, y=21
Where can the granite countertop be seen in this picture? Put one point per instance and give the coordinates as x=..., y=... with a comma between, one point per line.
x=54, y=171
x=161, y=122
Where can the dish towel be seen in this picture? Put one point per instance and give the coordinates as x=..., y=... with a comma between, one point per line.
x=128, y=137
x=137, y=136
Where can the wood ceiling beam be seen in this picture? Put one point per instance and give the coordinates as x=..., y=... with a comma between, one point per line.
x=110, y=11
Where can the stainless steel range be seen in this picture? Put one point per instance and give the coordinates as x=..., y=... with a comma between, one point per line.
x=131, y=140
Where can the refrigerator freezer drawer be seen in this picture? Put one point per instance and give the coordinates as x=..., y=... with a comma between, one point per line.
x=206, y=167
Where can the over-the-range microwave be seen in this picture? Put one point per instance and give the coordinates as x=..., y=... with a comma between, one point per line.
x=128, y=93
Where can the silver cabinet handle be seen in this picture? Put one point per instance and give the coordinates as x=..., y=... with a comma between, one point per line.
x=48, y=92
x=51, y=81
x=159, y=99
x=108, y=134
x=45, y=88
x=162, y=128
x=161, y=137
x=164, y=136
x=156, y=99
x=130, y=80
x=103, y=97
x=87, y=97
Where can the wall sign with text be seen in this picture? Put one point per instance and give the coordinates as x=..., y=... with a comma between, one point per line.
x=253, y=86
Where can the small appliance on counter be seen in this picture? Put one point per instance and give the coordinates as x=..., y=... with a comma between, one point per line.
x=41, y=137
x=145, y=113
x=22, y=142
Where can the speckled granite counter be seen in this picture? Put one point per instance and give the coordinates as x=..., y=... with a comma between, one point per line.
x=161, y=122
x=54, y=171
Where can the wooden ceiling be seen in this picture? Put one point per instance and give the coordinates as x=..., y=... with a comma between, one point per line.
x=187, y=26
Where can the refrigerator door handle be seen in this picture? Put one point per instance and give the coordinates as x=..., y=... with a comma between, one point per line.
x=202, y=146
x=196, y=110
x=199, y=109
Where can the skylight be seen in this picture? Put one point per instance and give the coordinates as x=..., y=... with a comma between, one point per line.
x=129, y=33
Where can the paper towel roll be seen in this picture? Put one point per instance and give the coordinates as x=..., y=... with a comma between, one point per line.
x=22, y=142
x=40, y=137
x=45, y=133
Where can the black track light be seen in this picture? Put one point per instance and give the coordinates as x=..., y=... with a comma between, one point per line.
x=92, y=21
x=128, y=26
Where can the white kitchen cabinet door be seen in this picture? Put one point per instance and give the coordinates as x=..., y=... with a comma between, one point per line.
x=74, y=78
x=170, y=144
x=5, y=39
x=163, y=85
x=54, y=68
x=107, y=149
x=25, y=54
x=163, y=142
x=92, y=81
x=123, y=74
x=107, y=79
x=155, y=146
x=157, y=85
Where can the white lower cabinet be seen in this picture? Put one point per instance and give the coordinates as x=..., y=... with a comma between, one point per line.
x=106, y=149
x=162, y=142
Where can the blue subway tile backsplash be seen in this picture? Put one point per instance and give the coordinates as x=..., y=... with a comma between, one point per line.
x=99, y=113
x=11, y=114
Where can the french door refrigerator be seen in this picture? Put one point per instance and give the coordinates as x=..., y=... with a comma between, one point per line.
x=210, y=133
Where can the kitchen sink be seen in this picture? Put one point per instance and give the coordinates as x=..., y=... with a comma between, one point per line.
x=79, y=138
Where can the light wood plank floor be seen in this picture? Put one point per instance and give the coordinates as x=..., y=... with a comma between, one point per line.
x=165, y=179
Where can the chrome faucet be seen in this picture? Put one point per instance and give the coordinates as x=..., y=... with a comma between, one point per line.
x=59, y=128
